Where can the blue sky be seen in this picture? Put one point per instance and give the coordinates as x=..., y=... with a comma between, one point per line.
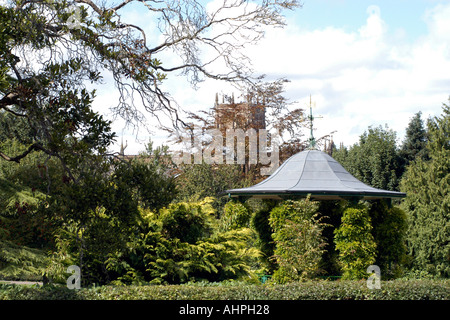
x=350, y=14
x=365, y=63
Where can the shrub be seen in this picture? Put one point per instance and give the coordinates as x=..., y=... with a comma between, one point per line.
x=20, y=262
x=355, y=242
x=235, y=216
x=180, y=244
x=389, y=229
x=298, y=239
x=309, y=290
x=187, y=221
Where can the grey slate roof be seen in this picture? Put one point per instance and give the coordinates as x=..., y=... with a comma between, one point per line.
x=313, y=172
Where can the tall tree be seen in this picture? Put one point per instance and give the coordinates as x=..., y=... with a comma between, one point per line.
x=427, y=185
x=44, y=90
x=415, y=141
x=374, y=160
x=50, y=49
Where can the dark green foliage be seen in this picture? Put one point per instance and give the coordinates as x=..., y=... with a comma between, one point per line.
x=188, y=222
x=389, y=231
x=152, y=176
x=355, y=243
x=414, y=145
x=374, y=160
x=427, y=184
x=98, y=216
x=265, y=243
x=331, y=213
x=150, y=184
x=46, y=107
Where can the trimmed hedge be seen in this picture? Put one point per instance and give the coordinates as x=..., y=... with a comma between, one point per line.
x=311, y=290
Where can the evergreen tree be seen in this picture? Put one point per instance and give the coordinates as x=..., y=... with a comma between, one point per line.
x=427, y=184
x=198, y=181
x=415, y=141
x=374, y=160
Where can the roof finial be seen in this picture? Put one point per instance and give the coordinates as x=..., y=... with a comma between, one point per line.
x=312, y=140
x=123, y=147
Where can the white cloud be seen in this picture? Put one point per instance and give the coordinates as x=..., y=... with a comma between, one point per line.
x=365, y=77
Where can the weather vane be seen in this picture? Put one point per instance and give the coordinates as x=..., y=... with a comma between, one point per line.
x=312, y=140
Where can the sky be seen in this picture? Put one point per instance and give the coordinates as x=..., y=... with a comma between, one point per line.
x=364, y=63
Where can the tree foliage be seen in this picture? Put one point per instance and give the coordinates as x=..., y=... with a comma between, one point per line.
x=374, y=159
x=49, y=50
x=389, y=231
x=427, y=184
x=414, y=145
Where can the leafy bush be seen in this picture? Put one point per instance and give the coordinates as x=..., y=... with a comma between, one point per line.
x=298, y=239
x=19, y=262
x=355, y=242
x=309, y=290
x=182, y=243
x=235, y=215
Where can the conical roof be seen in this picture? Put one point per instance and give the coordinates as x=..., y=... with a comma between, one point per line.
x=316, y=173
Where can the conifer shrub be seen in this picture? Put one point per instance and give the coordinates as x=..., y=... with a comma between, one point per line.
x=181, y=243
x=299, y=244
x=427, y=202
x=235, y=215
x=355, y=243
x=389, y=231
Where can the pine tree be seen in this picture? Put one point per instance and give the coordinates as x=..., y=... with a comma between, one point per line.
x=427, y=184
x=415, y=141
